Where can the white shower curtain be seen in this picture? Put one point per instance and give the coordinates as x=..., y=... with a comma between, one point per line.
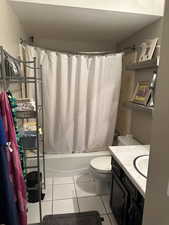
x=81, y=95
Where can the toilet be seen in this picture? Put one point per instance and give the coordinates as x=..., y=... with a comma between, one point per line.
x=101, y=170
x=101, y=166
x=127, y=140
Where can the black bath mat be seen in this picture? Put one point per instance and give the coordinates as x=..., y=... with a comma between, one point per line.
x=86, y=218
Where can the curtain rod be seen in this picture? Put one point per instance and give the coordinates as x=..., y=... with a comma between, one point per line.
x=69, y=52
x=130, y=48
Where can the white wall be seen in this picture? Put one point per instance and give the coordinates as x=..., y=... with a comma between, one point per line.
x=148, y=32
x=11, y=29
x=156, y=210
x=151, y=7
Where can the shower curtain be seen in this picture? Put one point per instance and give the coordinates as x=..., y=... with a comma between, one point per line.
x=81, y=96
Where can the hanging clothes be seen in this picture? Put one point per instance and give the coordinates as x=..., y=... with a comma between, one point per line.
x=15, y=169
x=8, y=207
x=13, y=105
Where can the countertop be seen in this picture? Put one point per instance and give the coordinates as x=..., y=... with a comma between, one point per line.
x=125, y=156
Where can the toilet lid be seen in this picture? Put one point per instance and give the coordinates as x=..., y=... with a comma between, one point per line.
x=102, y=164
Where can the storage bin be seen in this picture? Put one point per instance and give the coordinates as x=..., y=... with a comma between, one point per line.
x=29, y=140
x=25, y=114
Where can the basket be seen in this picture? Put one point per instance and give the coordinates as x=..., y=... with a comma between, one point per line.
x=25, y=114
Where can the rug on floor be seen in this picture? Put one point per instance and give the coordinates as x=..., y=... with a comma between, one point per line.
x=90, y=218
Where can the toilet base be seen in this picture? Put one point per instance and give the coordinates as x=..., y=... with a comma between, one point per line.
x=103, y=182
x=103, y=187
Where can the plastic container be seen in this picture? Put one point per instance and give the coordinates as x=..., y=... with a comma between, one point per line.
x=29, y=140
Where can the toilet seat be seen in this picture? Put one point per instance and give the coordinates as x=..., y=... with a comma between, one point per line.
x=101, y=164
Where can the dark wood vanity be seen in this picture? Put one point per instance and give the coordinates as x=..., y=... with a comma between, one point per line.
x=126, y=202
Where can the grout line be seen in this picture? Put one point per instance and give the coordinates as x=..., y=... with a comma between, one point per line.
x=109, y=216
x=89, y=196
x=104, y=204
x=52, y=193
x=48, y=200
x=62, y=183
x=109, y=219
x=64, y=199
x=103, y=214
x=89, y=181
x=76, y=194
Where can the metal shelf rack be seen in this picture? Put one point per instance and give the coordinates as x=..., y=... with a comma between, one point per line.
x=139, y=107
x=22, y=80
x=150, y=64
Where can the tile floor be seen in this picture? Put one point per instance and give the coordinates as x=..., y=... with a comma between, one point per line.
x=69, y=195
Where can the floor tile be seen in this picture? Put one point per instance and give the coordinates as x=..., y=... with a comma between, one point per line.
x=112, y=219
x=65, y=206
x=83, y=178
x=106, y=202
x=33, y=211
x=85, y=189
x=106, y=220
x=63, y=180
x=91, y=203
x=63, y=191
x=49, y=180
x=48, y=192
x=46, y=208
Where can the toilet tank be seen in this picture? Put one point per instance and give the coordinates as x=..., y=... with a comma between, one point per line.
x=127, y=140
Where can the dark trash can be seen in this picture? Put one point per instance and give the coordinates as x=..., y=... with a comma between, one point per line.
x=33, y=187
x=32, y=179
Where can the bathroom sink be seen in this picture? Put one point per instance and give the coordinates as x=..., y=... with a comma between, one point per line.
x=141, y=164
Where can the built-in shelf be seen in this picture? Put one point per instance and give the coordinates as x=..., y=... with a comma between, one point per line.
x=150, y=64
x=139, y=107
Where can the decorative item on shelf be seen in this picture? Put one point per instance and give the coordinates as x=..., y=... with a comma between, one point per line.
x=25, y=104
x=157, y=54
x=25, y=108
x=152, y=89
x=147, y=50
x=12, y=68
x=141, y=93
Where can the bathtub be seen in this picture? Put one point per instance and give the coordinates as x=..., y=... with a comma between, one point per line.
x=67, y=164
x=70, y=164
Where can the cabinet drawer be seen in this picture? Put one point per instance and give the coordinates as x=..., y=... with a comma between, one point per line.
x=119, y=200
x=116, y=168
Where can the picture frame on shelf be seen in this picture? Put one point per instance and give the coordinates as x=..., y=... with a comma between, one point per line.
x=141, y=94
x=147, y=50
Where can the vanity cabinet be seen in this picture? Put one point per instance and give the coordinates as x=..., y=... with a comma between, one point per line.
x=126, y=202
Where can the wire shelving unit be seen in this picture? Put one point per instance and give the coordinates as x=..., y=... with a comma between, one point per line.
x=23, y=80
